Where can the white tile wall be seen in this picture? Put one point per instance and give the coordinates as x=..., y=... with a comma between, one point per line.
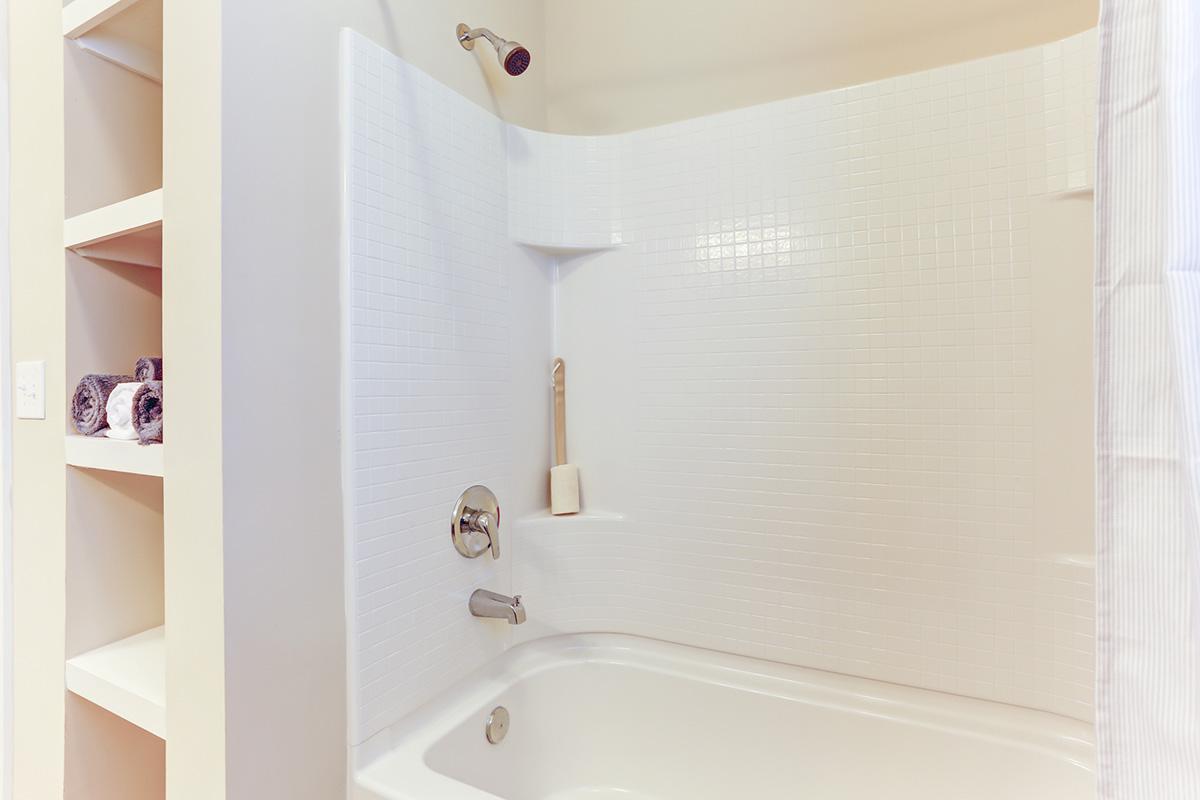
x=831, y=371
x=443, y=312
x=566, y=190
x=826, y=343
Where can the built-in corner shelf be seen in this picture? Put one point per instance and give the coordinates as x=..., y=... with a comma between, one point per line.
x=127, y=678
x=566, y=251
x=1079, y=193
x=126, y=32
x=590, y=523
x=114, y=455
x=129, y=231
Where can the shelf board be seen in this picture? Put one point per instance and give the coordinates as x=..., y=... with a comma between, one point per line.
x=567, y=250
x=126, y=32
x=129, y=231
x=127, y=678
x=114, y=455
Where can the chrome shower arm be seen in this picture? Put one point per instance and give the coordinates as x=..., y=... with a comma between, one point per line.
x=467, y=37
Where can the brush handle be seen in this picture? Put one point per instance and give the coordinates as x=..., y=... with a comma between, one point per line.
x=559, y=374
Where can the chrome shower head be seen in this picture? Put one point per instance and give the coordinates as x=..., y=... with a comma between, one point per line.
x=513, y=56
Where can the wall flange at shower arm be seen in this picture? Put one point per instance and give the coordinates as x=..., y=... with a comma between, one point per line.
x=513, y=56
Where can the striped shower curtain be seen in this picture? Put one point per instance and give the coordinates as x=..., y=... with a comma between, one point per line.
x=1147, y=298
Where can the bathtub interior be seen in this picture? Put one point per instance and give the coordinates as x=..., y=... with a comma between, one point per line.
x=620, y=717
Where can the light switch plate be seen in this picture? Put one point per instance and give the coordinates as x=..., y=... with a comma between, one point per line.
x=31, y=389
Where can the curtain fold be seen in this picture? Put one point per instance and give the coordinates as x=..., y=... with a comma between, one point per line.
x=1147, y=297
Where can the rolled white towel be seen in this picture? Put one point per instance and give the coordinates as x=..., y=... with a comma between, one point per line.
x=120, y=411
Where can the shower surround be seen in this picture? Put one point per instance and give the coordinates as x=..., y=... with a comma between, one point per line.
x=803, y=340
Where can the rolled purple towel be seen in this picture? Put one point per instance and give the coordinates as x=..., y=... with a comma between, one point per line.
x=148, y=412
x=148, y=368
x=89, y=402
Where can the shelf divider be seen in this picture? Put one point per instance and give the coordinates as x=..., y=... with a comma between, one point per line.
x=114, y=455
x=127, y=678
x=80, y=16
x=82, y=22
x=129, y=231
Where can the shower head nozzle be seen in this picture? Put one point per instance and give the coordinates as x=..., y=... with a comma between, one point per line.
x=513, y=56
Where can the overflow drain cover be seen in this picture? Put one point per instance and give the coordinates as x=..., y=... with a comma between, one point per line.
x=497, y=725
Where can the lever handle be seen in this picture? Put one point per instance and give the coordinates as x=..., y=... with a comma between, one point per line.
x=483, y=524
x=475, y=523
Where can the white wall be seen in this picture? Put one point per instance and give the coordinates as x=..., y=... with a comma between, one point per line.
x=6, y=728
x=449, y=332
x=622, y=65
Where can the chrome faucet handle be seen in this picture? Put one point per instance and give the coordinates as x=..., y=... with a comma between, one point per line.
x=475, y=523
x=485, y=524
x=482, y=532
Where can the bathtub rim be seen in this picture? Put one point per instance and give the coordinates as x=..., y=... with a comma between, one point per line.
x=404, y=745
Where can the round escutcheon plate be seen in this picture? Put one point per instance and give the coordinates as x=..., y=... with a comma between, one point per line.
x=497, y=725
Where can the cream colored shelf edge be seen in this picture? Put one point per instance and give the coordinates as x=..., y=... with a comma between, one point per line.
x=118, y=219
x=128, y=678
x=114, y=455
x=128, y=231
x=81, y=18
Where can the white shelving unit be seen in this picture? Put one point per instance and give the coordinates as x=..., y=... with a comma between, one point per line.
x=126, y=32
x=115, y=729
x=114, y=455
x=127, y=678
x=129, y=231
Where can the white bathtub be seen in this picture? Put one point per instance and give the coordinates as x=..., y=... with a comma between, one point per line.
x=601, y=716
